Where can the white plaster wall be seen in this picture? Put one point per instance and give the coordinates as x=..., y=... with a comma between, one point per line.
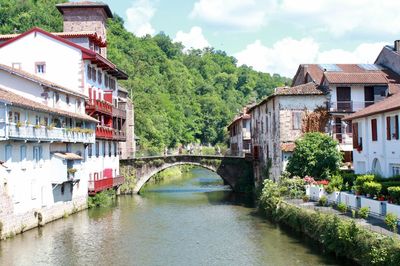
x=64, y=64
x=386, y=151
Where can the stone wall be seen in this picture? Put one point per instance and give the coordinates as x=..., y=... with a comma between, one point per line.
x=12, y=224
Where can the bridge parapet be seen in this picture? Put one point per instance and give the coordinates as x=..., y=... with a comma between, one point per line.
x=235, y=171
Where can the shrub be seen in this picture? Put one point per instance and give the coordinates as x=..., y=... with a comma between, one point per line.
x=372, y=188
x=342, y=207
x=102, y=199
x=360, y=180
x=292, y=187
x=349, y=178
x=322, y=201
x=306, y=198
x=316, y=154
x=363, y=212
x=391, y=221
x=394, y=192
x=335, y=184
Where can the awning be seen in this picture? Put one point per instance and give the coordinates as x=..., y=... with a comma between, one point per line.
x=68, y=156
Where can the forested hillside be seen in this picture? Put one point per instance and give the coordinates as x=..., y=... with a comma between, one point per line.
x=179, y=97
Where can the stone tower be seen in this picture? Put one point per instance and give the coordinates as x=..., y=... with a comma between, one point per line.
x=86, y=16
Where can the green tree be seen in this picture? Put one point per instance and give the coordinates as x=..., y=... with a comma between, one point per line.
x=316, y=154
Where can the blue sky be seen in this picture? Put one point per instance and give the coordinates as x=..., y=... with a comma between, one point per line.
x=271, y=35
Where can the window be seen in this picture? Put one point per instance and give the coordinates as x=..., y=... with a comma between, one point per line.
x=357, y=136
x=8, y=154
x=106, y=80
x=93, y=74
x=16, y=65
x=17, y=117
x=10, y=116
x=395, y=169
x=266, y=123
x=104, y=149
x=46, y=121
x=40, y=67
x=374, y=131
x=97, y=149
x=296, y=119
x=78, y=105
x=37, y=120
x=67, y=99
x=90, y=150
x=99, y=76
x=68, y=147
x=109, y=149
x=115, y=149
x=56, y=97
x=112, y=84
x=392, y=127
x=22, y=153
x=89, y=72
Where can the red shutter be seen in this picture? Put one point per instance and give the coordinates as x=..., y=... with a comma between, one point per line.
x=374, y=130
x=355, y=135
x=388, y=133
x=396, y=126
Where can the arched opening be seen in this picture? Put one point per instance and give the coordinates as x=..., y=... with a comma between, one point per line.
x=143, y=180
x=376, y=167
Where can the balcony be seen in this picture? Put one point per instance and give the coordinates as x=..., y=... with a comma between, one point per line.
x=103, y=132
x=106, y=182
x=43, y=133
x=119, y=112
x=98, y=106
x=348, y=106
x=119, y=135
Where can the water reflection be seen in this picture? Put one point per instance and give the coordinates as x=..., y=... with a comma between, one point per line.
x=194, y=221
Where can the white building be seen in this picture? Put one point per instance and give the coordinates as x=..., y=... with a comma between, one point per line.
x=376, y=138
x=351, y=87
x=44, y=132
x=240, y=134
x=77, y=60
x=277, y=122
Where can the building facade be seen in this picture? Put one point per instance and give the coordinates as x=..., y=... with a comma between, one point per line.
x=240, y=134
x=376, y=138
x=277, y=122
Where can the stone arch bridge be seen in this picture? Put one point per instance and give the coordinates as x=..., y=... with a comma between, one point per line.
x=236, y=172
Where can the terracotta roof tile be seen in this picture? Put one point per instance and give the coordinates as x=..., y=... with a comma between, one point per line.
x=310, y=88
x=355, y=78
x=40, y=80
x=21, y=101
x=389, y=104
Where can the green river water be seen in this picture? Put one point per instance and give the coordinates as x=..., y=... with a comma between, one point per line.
x=191, y=221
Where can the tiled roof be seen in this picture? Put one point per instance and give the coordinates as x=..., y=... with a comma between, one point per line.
x=21, y=101
x=310, y=88
x=389, y=104
x=107, y=9
x=288, y=146
x=40, y=80
x=237, y=118
x=355, y=78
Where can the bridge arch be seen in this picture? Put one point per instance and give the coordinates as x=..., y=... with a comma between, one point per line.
x=144, y=179
x=235, y=171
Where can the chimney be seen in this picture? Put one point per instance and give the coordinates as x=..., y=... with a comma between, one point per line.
x=86, y=16
x=397, y=45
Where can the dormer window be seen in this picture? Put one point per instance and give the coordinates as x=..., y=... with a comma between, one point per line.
x=40, y=67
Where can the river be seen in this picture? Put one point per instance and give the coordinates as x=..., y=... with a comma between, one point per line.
x=192, y=221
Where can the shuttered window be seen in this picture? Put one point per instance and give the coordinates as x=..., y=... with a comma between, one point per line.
x=374, y=130
x=388, y=128
x=355, y=136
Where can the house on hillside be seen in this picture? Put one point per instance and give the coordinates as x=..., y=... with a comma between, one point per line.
x=350, y=87
x=77, y=59
x=376, y=140
x=278, y=121
x=240, y=134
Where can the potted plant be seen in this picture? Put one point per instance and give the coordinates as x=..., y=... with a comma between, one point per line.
x=18, y=124
x=71, y=172
x=50, y=126
x=37, y=126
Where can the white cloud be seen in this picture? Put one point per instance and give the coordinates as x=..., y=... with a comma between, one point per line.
x=139, y=16
x=340, y=17
x=233, y=14
x=193, y=39
x=285, y=55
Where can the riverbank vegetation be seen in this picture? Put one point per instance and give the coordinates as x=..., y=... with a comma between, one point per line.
x=342, y=237
x=102, y=199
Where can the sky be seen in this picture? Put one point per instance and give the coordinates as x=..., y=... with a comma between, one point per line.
x=273, y=36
